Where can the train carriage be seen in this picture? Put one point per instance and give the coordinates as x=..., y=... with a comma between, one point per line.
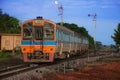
x=43, y=40
x=38, y=40
x=64, y=42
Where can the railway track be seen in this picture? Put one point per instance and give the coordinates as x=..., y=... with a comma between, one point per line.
x=15, y=70
x=10, y=71
x=11, y=68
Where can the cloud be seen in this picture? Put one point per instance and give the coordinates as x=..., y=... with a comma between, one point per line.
x=29, y=9
x=79, y=3
x=90, y=4
x=109, y=3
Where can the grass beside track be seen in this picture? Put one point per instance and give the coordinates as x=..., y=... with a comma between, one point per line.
x=4, y=55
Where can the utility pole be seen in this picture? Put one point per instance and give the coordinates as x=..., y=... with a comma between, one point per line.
x=60, y=9
x=94, y=19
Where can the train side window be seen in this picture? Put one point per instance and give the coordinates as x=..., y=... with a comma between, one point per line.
x=84, y=41
x=68, y=37
x=71, y=38
x=80, y=40
x=75, y=38
x=64, y=36
x=59, y=31
x=61, y=35
x=57, y=34
x=87, y=41
x=27, y=33
x=48, y=31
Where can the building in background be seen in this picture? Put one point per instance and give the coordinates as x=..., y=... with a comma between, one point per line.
x=10, y=42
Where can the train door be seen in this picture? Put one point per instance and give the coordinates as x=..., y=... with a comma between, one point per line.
x=39, y=38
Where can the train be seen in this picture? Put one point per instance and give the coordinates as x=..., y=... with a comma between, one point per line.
x=44, y=41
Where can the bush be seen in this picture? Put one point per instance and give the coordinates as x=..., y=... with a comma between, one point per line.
x=4, y=55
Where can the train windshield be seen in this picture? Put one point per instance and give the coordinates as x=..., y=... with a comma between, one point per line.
x=38, y=33
x=27, y=31
x=48, y=31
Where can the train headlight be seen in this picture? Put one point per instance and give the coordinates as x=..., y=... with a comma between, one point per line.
x=51, y=49
x=24, y=49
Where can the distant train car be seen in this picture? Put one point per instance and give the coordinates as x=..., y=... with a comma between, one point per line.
x=10, y=42
x=43, y=40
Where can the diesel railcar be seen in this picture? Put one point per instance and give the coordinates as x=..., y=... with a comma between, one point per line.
x=44, y=40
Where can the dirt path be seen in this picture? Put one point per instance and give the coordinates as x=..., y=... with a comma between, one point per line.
x=109, y=71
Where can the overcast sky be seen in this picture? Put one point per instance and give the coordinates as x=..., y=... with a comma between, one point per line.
x=75, y=11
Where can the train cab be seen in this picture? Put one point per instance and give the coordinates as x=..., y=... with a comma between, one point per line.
x=38, y=40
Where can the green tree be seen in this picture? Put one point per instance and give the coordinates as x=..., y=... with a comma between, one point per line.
x=116, y=36
x=8, y=24
x=91, y=42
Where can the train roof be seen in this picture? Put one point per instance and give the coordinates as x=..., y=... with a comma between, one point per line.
x=58, y=26
x=71, y=31
x=64, y=28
